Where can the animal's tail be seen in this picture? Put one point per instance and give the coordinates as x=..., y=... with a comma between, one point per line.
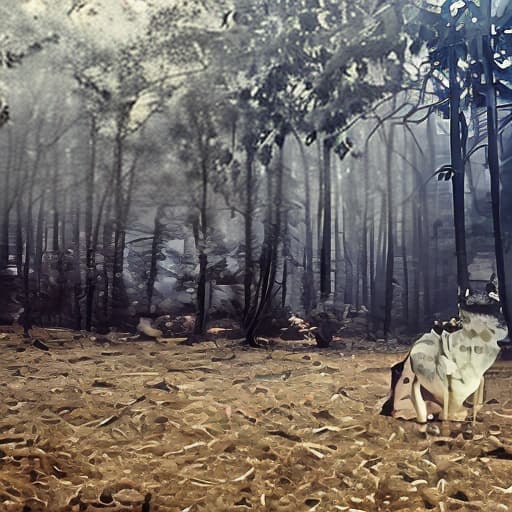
x=396, y=372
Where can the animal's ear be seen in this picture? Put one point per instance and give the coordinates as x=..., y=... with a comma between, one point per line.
x=494, y=296
x=492, y=285
x=463, y=296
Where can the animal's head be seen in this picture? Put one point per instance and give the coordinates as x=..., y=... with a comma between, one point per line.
x=480, y=310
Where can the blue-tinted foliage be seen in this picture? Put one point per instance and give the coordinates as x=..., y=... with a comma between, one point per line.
x=463, y=25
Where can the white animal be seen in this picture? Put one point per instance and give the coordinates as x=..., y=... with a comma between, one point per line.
x=448, y=368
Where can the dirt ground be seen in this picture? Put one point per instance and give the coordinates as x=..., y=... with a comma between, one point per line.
x=119, y=425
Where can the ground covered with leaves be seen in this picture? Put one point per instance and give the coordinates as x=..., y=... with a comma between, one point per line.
x=121, y=425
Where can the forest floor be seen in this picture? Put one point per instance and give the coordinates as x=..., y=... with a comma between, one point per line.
x=143, y=426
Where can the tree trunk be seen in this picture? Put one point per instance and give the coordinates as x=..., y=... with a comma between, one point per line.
x=55, y=204
x=153, y=268
x=286, y=253
x=405, y=267
x=506, y=207
x=373, y=295
x=284, y=282
x=325, y=250
x=7, y=205
x=390, y=255
x=338, y=253
x=27, y=297
x=347, y=256
x=364, y=231
x=357, y=279
x=40, y=228
x=380, y=266
x=4, y=249
x=458, y=178
x=423, y=241
x=265, y=289
x=309, y=296
x=19, y=235
x=122, y=204
x=118, y=293
x=427, y=223
x=494, y=170
x=248, y=233
x=108, y=256
x=90, y=249
x=77, y=278
x=63, y=225
x=200, y=325
x=29, y=236
x=104, y=205
x=321, y=194
x=27, y=292
x=415, y=305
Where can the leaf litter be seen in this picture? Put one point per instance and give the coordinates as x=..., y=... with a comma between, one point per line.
x=158, y=426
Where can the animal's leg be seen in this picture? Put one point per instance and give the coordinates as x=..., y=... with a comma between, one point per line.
x=481, y=392
x=446, y=399
x=478, y=399
x=453, y=409
x=419, y=403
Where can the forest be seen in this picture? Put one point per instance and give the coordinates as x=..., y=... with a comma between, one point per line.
x=324, y=171
x=187, y=182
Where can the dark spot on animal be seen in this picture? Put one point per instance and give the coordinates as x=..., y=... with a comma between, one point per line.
x=486, y=336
